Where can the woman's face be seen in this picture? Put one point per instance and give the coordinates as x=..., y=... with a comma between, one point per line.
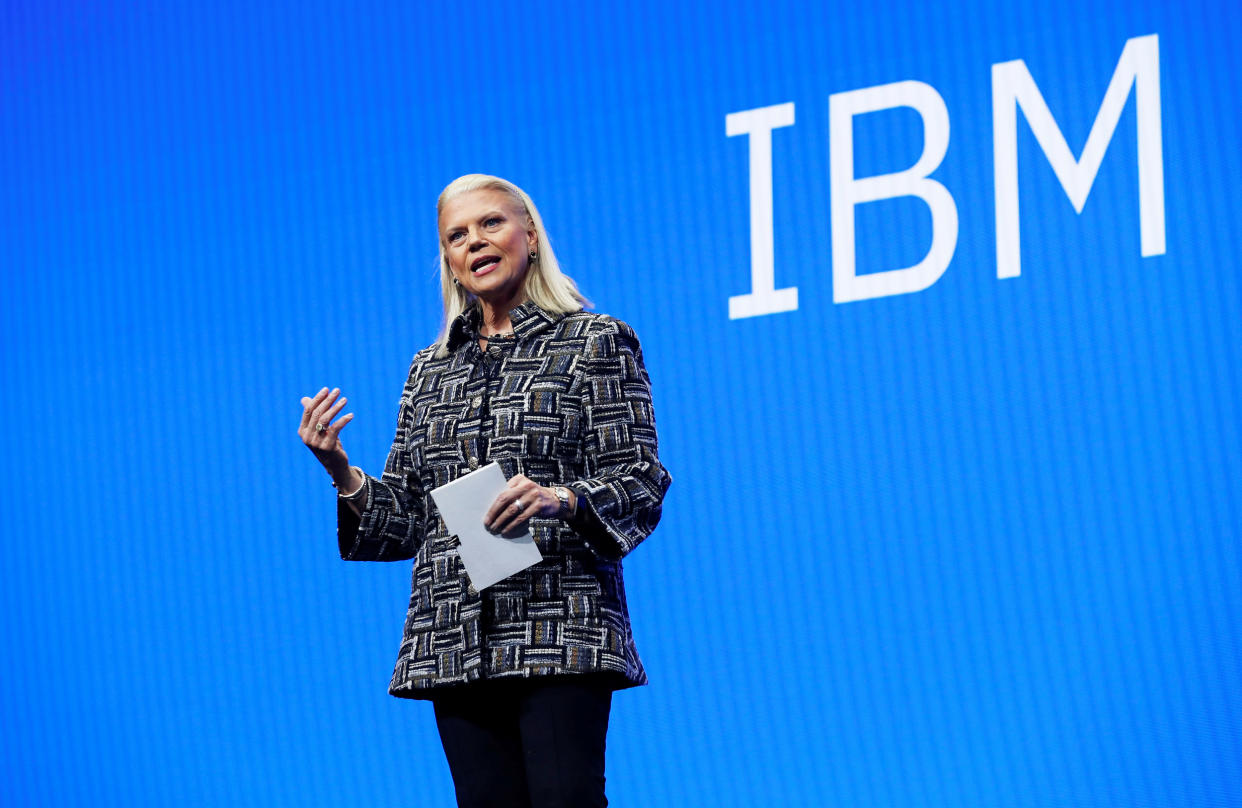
x=487, y=239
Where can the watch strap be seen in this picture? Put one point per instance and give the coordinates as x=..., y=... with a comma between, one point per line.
x=562, y=493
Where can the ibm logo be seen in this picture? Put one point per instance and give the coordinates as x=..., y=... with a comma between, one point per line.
x=1013, y=89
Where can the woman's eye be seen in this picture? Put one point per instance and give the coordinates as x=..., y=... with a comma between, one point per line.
x=494, y=221
x=455, y=238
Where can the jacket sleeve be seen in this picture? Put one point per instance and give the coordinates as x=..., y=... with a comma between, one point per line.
x=620, y=499
x=390, y=527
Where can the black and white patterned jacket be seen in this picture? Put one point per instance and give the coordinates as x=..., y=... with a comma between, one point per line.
x=566, y=401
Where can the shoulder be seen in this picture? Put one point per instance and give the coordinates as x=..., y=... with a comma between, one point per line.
x=595, y=326
x=422, y=360
x=421, y=380
x=424, y=355
x=602, y=338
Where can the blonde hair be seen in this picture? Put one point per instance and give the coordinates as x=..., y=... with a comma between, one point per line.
x=544, y=285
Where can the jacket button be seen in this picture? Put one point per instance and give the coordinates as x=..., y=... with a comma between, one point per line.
x=478, y=400
x=474, y=463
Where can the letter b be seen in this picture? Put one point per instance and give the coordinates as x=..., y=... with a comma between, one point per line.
x=847, y=191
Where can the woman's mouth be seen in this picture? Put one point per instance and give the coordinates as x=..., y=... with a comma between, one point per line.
x=482, y=266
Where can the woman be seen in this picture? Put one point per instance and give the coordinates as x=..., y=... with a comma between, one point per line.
x=522, y=673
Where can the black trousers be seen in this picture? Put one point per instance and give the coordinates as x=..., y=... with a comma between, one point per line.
x=533, y=743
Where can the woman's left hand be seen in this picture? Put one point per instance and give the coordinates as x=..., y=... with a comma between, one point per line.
x=522, y=500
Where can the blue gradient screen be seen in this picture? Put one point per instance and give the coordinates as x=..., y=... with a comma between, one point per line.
x=941, y=305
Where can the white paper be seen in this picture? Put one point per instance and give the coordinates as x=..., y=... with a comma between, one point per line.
x=488, y=557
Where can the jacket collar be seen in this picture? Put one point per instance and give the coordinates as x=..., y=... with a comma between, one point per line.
x=527, y=318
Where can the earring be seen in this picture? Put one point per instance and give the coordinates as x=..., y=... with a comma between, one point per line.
x=534, y=256
x=456, y=282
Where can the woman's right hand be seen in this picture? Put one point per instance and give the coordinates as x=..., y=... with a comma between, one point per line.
x=323, y=437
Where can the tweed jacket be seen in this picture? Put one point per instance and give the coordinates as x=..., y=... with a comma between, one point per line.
x=569, y=403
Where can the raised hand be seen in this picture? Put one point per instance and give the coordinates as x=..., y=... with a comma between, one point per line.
x=323, y=436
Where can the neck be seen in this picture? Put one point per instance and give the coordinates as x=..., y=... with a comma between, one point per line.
x=496, y=315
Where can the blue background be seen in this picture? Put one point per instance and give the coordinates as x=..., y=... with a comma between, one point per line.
x=973, y=546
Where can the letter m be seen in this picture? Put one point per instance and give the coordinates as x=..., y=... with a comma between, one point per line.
x=1013, y=87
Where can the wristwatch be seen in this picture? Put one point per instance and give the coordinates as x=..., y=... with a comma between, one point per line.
x=562, y=493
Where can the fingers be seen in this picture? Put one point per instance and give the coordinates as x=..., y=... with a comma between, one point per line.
x=513, y=517
x=333, y=411
x=504, y=499
x=522, y=500
x=321, y=409
x=318, y=411
x=335, y=429
x=309, y=404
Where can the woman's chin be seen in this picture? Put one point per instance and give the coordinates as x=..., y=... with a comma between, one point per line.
x=497, y=294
